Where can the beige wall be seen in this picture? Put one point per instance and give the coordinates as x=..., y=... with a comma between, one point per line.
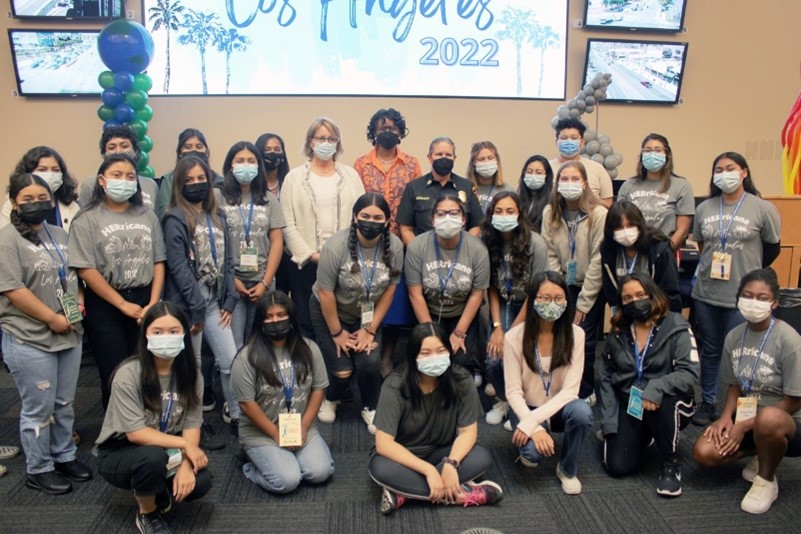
x=741, y=79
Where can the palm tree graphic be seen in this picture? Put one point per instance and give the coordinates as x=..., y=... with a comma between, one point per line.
x=228, y=42
x=542, y=37
x=201, y=30
x=168, y=14
x=517, y=27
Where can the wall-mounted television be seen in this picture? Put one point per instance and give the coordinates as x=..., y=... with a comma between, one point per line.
x=635, y=15
x=645, y=72
x=56, y=62
x=83, y=10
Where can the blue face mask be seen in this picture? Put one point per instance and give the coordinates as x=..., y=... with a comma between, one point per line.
x=535, y=182
x=653, y=161
x=325, y=150
x=120, y=190
x=568, y=147
x=245, y=172
x=504, y=223
x=434, y=365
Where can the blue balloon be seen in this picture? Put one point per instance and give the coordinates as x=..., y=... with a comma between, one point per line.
x=123, y=81
x=112, y=97
x=112, y=122
x=124, y=113
x=125, y=45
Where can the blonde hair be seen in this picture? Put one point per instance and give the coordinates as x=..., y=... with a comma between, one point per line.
x=313, y=127
x=587, y=201
x=472, y=175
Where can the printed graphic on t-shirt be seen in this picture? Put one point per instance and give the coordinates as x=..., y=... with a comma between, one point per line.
x=741, y=229
x=766, y=375
x=653, y=205
x=129, y=246
x=354, y=284
x=271, y=398
x=205, y=260
x=153, y=420
x=457, y=288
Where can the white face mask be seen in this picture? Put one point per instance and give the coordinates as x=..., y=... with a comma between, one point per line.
x=166, y=347
x=627, y=236
x=570, y=190
x=54, y=179
x=448, y=227
x=535, y=182
x=487, y=170
x=728, y=181
x=754, y=311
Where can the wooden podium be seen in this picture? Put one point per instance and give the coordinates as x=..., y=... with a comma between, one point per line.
x=788, y=264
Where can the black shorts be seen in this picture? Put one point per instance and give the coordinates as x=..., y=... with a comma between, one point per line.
x=793, y=446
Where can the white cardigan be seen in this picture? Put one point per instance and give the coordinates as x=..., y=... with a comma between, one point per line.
x=301, y=234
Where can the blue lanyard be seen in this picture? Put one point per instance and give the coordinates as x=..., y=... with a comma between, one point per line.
x=746, y=385
x=545, y=384
x=724, y=236
x=629, y=268
x=571, y=233
x=212, y=241
x=246, y=224
x=368, y=279
x=488, y=199
x=443, y=283
x=165, y=416
x=288, y=387
x=639, y=357
x=62, y=264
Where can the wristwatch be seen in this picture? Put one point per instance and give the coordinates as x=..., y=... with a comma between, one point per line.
x=496, y=324
x=451, y=461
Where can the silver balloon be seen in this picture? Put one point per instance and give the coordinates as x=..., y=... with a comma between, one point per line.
x=581, y=105
x=592, y=147
x=603, y=139
x=606, y=150
x=562, y=112
x=612, y=173
x=590, y=135
x=595, y=84
x=599, y=93
x=602, y=97
x=610, y=162
x=581, y=95
x=571, y=103
x=597, y=158
x=590, y=100
x=575, y=113
x=607, y=76
x=554, y=121
x=589, y=109
x=588, y=89
x=619, y=157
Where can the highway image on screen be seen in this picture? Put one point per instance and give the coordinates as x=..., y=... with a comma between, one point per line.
x=67, y=8
x=645, y=14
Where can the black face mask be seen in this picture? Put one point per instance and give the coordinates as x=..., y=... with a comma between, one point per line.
x=638, y=310
x=197, y=192
x=277, y=329
x=370, y=229
x=35, y=212
x=388, y=139
x=442, y=166
x=272, y=160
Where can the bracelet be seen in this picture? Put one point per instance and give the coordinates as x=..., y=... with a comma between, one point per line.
x=460, y=335
x=369, y=332
x=266, y=286
x=337, y=334
x=451, y=461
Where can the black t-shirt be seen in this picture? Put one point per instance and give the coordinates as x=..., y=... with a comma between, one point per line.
x=419, y=197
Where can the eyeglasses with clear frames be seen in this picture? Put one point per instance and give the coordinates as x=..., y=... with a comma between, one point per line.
x=445, y=213
x=333, y=140
x=547, y=299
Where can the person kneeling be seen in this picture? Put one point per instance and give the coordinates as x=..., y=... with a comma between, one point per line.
x=426, y=428
x=279, y=379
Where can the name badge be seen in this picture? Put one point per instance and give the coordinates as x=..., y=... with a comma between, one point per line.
x=571, y=272
x=174, y=459
x=249, y=260
x=746, y=409
x=72, y=311
x=721, y=266
x=289, y=430
x=635, y=403
x=367, y=313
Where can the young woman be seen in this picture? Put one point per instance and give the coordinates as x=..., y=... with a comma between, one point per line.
x=117, y=248
x=427, y=425
x=630, y=246
x=150, y=435
x=543, y=365
x=737, y=232
x=42, y=331
x=484, y=170
x=356, y=279
x=279, y=374
x=447, y=271
x=316, y=198
x=255, y=221
x=665, y=199
x=516, y=256
x=762, y=413
x=650, y=365
x=49, y=165
x=534, y=188
x=201, y=264
x=573, y=228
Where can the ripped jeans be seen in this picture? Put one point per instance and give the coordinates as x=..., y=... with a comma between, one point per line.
x=46, y=382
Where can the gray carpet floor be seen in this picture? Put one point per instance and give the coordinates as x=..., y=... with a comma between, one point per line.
x=533, y=500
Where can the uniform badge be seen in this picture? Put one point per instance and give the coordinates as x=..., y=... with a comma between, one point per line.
x=463, y=197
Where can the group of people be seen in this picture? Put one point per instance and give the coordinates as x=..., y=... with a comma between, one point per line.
x=298, y=283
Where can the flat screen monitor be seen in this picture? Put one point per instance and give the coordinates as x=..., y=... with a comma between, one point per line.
x=83, y=10
x=635, y=15
x=56, y=63
x=647, y=72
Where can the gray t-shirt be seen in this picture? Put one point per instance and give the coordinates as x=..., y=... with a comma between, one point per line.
x=247, y=386
x=122, y=246
x=431, y=426
x=23, y=264
x=126, y=408
x=487, y=192
x=150, y=191
x=778, y=372
x=264, y=219
x=209, y=271
x=757, y=222
x=468, y=265
x=334, y=273
x=504, y=280
x=660, y=209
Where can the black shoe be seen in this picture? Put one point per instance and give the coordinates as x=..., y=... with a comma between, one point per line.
x=347, y=395
x=49, y=482
x=164, y=501
x=669, y=484
x=242, y=456
x=152, y=523
x=75, y=471
x=703, y=414
x=208, y=440
x=235, y=427
x=209, y=401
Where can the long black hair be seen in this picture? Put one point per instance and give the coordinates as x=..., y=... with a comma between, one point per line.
x=614, y=221
x=99, y=194
x=562, y=352
x=446, y=383
x=232, y=189
x=283, y=167
x=261, y=353
x=366, y=200
x=660, y=304
x=17, y=183
x=748, y=181
x=177, y=200
x=185, y=136
x=535, y=201
x=68, y=192
x=493, y=239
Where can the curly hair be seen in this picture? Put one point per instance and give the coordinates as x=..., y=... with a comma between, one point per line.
x=68, y=192
x=380, y=116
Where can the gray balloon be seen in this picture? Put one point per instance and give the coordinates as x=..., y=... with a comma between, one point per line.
x=581, y=95
x=575, y=113
x=619, y=157
x=597, y=158
x=590, y=135
x=599, y=93
x=610, y=162
x=588, y=89
x=603, y=139
x=591, y=146
x=602, y=97
x=606, y=150
x=590, y=100
x=562, y=112
x=612, y=173
x=581, y=105
x=607, y=75
x=589, y=109
x=554, y=121
x=571, y=103
x=595, y=84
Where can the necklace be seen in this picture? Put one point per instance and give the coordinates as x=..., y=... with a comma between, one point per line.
x=272, y=187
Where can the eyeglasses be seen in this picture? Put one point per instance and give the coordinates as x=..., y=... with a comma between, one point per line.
x=658, y=150
x=547, y=299
x=444, y=213
x=333, y=140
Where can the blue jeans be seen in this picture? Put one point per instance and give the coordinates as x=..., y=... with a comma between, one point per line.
x=713, y=323
x=509, y=313
x=280, y=470
x=574, y=420
x=46, y=382
x=221, y=342
x=242, y=316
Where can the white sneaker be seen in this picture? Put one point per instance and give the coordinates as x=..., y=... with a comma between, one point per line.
x=489, y=390
x=226, y=414
x=751, y=469
x=497, y=414
x=478, y=379
x=507, y=426
x=600, y=435
x=760, y=496
x=591, y=400
x=368, y=416
x=570, y=485
x=525, y=462
x=328, y=411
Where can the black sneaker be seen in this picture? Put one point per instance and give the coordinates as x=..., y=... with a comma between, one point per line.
x=164, y=501
x=703, y=414
x=152, y=523
x=669, y=484
x=235, y=427
x=208, y=440
x=209, y=401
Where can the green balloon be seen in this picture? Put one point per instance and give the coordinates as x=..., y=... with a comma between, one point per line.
x=106, y=79
x=144, y=114
x=139, y=128
x=136, y=98
x=144, y=160
x=106, y=113
x=148, y=172
x=146, y=144
x=143, y=82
